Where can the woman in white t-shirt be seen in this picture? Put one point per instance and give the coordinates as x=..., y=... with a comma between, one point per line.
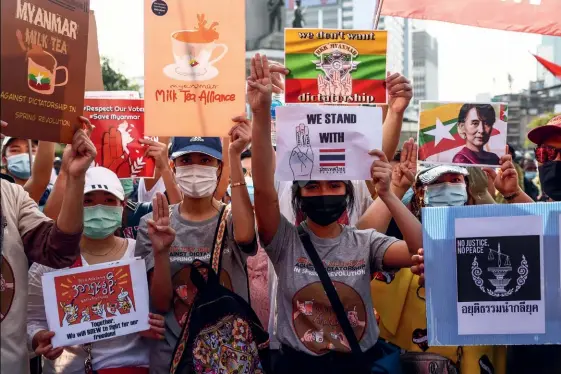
x=103, y=211
x=307, y=326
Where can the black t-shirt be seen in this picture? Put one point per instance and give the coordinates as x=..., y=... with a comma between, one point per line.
x=394, y=231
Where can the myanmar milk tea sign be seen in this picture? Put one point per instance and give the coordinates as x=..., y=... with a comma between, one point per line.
x=43, y=49
x=194, y=66
x=336, y=66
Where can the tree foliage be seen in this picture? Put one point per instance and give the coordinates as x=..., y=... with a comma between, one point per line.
x=113, y=80
x=537, y=122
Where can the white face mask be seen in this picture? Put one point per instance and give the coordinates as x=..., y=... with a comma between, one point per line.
x=197, y=181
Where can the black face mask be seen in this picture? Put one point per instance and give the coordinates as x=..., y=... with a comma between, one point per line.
x=324, y=210
x=550, y=179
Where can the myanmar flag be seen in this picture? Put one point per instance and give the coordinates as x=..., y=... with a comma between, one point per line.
x=439, y=140
x=335, y=66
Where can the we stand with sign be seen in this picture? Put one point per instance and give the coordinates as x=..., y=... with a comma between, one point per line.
x=326, y=142
x=501, y=263
x=97, y=302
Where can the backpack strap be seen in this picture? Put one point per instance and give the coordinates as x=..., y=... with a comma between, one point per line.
x=336, y=304
x=218, y=243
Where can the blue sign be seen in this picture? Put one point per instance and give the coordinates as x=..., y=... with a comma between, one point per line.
x=493, y=274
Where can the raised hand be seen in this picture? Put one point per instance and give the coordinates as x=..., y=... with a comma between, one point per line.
x=403, y=175
x=506, y=181
x=324, y=86
x=83, y=153
x=3, y=125
x=158, y=151
x=419, y=266
x=113, y=156
x=400, y=92
x=336, y=84
x=302, y=157
x=347, y=85
x=260, y=87
x=278, y=72
x=43, y=346
x=159, y=230
x=381, y=172
x=240, y=135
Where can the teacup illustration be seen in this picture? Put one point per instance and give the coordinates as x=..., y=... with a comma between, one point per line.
x=192, y=52
x=42, y=71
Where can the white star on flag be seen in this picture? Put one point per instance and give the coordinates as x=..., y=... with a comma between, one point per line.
x=505, y=113
x=38, y=78
x=441, y=132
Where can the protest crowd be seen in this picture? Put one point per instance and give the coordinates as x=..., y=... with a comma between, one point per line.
x=214, y=264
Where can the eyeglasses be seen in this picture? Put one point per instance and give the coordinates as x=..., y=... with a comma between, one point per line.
x=545, y=153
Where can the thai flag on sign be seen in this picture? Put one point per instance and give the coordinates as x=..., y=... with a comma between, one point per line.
x=332, y=157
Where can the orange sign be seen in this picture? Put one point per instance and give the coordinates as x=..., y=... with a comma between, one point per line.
x=194, y=66
x=94, y=295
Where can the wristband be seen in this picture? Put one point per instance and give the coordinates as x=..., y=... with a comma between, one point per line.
x=512, y=196
x=237, y=184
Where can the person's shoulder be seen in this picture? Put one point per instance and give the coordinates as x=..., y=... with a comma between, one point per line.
x=11, y=192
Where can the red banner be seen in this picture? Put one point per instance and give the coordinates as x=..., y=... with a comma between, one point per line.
x=550, y=66
x=119, y=124
x=531, y=16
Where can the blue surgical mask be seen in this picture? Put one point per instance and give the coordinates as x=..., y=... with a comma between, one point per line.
x=445, y=194
x=408, y=196
x=19, y=166
x=531, y=175
x=249, y=185
x=100, y=221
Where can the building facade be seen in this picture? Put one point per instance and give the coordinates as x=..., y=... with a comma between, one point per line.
x=425, y=67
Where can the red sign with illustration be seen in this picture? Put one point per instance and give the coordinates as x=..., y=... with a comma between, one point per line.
x=119, y=124
x=94, y=295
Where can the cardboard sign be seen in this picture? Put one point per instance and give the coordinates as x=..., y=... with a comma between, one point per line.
x=94, y=78
x=326, y=142
x=336, y=66
x=96, y=302
x=119, y=124
x=492, y=274
x=469, y=134
x=194, y=66
x=43, y=70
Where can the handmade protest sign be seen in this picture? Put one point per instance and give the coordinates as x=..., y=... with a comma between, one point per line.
x=119, y=124
x=470, y=134
x=112, y=95
x=43, y=50
x=194, y=66
x=326, y=142
x=500, y=263
x=335, y=66
x=96, y=302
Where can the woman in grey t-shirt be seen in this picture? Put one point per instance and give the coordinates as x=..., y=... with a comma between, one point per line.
x=311, y=337
x=172, y=239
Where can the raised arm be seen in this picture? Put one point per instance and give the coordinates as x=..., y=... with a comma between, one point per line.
x=72, y=211
x=159, y=151
x=42, y=169
x=506, y=181
x=225, y=177
x=400, y=93
x=399, y=254
x=242, y=211
x=266, y=201
x=162, y=236
x=378, y=216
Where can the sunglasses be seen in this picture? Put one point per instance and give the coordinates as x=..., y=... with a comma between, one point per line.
x=545, y=153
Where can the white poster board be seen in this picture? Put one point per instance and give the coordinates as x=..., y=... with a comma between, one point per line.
x=97, y=302
x=500, y=275
x=326, y=142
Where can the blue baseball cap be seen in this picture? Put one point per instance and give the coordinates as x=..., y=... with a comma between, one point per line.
x=196, y=144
